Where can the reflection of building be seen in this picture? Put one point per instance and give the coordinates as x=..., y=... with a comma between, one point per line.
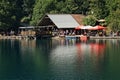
x=97, y=48
x=90, y=56
x=28, y=45
x=79, y=59
x=92, y=48
x=62, y=61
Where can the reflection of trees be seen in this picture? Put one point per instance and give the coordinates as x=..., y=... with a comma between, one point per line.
x=37, y=59
x=112, y=59
x=23, y=58
x=9, y=59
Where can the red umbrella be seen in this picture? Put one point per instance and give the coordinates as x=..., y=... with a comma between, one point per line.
x=87, y=27
x=98, y=28
x=79, y=27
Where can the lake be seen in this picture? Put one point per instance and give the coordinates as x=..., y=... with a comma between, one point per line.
x=49, y=59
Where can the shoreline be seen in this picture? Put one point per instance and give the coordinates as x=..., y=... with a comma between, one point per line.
x=89, y=37
x=59, y=37
x=104, y=37
x=17, y=37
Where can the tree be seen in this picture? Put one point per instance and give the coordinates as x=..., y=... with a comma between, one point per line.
x=27, y=7
x=83, y=6
x=7, y=18
x=11, y=13
x=113, y=19
x=90, y=20
x=37, y=12
x=98, y=8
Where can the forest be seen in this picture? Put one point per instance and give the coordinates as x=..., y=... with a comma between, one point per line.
x=15, y=13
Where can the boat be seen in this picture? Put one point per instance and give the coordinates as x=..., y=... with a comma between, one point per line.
x=70, y=37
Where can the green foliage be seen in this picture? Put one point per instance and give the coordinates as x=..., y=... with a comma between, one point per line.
x=38, y=11
x=28, y=7
x=98, y=8
x=89, y=20
x=14, y=12
x=7, y=18
x=58, y=7
x=82, y=6
x=114, y=20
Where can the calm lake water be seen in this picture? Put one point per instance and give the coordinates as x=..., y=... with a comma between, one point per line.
x=60, y=59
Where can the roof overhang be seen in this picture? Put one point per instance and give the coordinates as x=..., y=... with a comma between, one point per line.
x=29, y=27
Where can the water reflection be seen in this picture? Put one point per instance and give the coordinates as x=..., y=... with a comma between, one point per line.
x=78, y=60
x=60, y=59
x=23, y=59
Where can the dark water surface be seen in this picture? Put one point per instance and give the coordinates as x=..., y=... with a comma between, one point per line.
x=59, y=60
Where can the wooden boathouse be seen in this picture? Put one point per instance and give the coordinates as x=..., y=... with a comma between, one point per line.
x=57, y=24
